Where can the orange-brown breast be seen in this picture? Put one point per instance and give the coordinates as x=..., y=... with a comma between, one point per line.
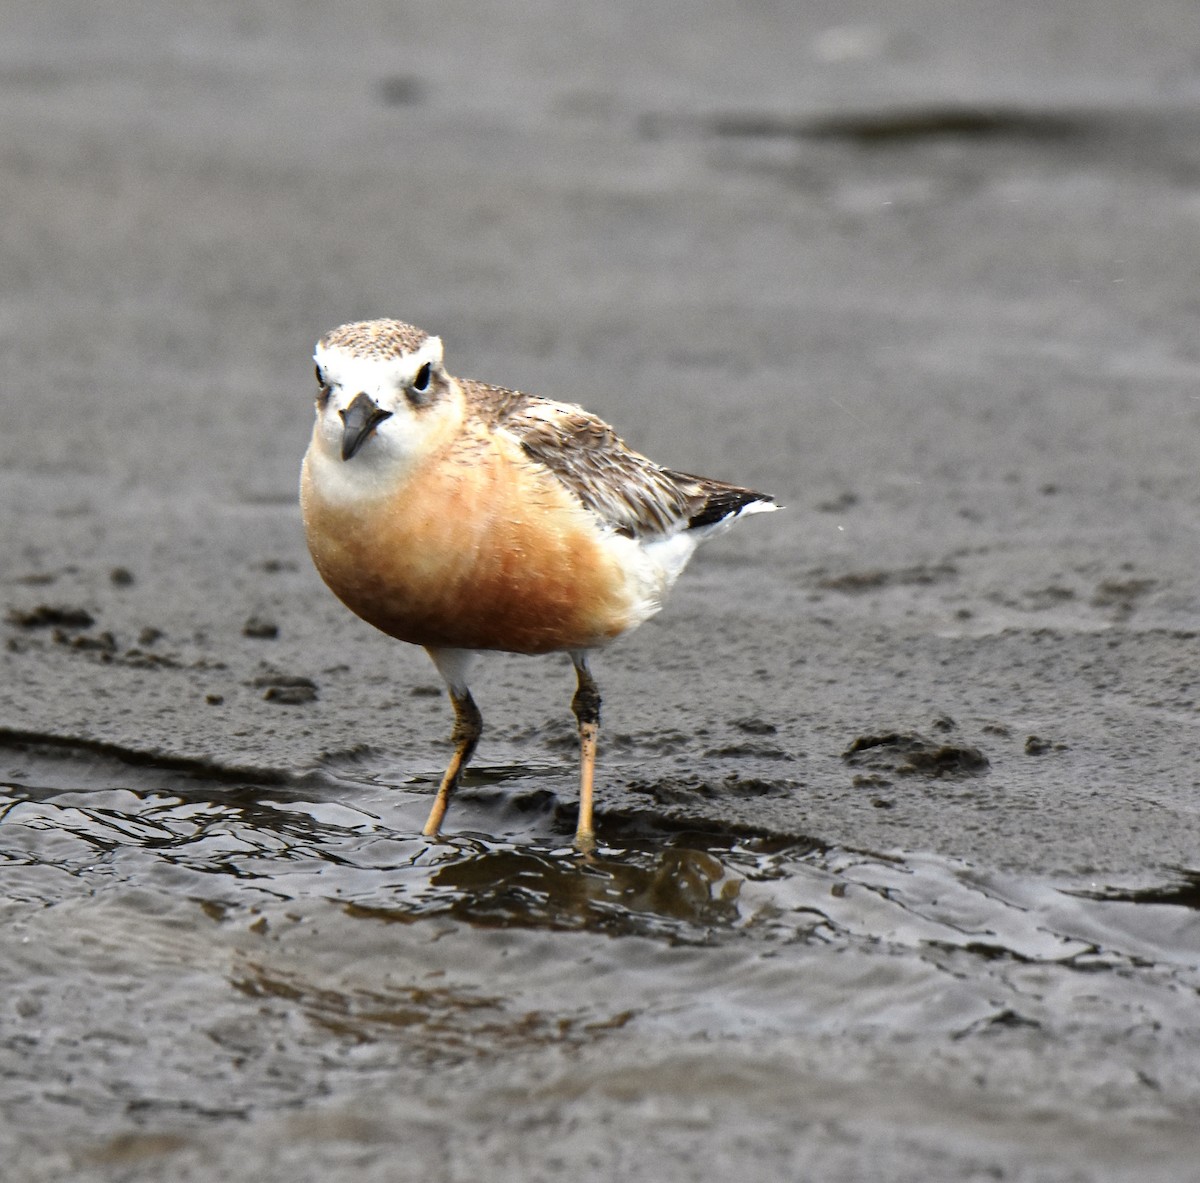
x=479, y=549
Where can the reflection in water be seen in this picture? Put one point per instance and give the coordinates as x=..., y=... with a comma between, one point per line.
x=441, y=1024
x=630, y=891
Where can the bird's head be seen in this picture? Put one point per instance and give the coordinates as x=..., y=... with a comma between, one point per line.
x=383, y=395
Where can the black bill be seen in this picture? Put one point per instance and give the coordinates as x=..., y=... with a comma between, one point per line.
x=361, y=418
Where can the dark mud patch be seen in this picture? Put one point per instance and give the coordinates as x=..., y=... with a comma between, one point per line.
x=44, y=578
x=355, y=759
x=752, y=725
x=401, y=90
x=889, y=127
x=260, y=628
x=1120, y=597
x=45, y=747
x=287, y=689
x=51, y=616
x=71, y=628
x=918, y=124
x=908, y=753
x=748, y=751
x=839, y=504
x=878, y=579
x=1183, y=894
x=1035, y=745
x=103, y=644
x=1042, y=130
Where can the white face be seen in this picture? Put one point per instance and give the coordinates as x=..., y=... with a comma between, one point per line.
x=411, y=400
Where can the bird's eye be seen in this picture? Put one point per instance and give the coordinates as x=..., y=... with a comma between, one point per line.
x=421, y=382
x=323, y=388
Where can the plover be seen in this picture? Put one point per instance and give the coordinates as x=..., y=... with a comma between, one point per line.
x=465, y=517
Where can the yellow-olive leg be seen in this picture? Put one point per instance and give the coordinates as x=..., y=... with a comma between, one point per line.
x=468, y=727
x=586, y=708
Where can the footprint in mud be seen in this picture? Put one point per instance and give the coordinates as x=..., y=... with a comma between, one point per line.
x=908, y=753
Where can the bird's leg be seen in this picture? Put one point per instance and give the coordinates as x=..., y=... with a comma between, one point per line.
x=468, y=726
x=586, y=708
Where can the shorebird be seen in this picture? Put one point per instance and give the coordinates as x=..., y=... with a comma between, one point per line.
x=465, y=517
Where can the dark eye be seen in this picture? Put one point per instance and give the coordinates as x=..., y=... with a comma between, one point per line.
x=322, y=388
x=421, y=382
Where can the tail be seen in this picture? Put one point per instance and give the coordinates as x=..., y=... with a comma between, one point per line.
x=716, y=506
x=724, y=503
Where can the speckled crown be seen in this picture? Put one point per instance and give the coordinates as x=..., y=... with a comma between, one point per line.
x=382, y=339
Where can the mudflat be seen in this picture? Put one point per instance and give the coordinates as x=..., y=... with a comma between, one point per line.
x=897, y=803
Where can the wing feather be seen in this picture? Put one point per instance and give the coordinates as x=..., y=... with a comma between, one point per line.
x=625, y=489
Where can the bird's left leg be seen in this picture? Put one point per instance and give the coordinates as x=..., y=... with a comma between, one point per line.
x=453, y=664
x=586, y=708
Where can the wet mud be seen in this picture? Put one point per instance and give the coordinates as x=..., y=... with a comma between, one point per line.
x=898, y=838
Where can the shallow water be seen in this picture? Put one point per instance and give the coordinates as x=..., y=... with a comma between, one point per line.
x=190, y=966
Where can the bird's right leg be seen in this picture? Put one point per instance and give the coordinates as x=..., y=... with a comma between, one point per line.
x=453, y=664
x=586, y=708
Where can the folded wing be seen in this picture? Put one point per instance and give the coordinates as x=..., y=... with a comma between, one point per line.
x=626, y=490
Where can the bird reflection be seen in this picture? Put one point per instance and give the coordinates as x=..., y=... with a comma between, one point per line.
x=678, y=891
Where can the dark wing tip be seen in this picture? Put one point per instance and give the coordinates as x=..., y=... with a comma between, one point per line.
x=724, y=501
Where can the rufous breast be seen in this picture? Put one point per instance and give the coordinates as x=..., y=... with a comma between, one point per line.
x=478, y=548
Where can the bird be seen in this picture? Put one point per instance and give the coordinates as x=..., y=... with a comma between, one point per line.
x=465, y=517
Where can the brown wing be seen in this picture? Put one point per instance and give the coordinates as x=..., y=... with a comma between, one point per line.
x=631, y=493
